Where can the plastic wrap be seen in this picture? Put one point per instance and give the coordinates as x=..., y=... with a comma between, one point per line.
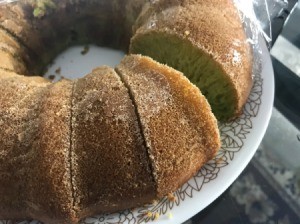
x=258, y=16
x=261, y=13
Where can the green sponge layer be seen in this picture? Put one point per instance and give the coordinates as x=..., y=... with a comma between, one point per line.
x=198, y=66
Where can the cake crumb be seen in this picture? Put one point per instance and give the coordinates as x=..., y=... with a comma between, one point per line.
x=149, y=214
x=236, y=57
x=58, y=70
x=51, y=77
x=20, y=137
x=186, y=32
x=171, y=197
x=156, y=215
x=170, y=215
x=219, y=160
x=85, y=50
x=154, y=202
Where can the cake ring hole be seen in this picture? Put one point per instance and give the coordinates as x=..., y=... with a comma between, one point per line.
x=73, y=63
x=42, y=35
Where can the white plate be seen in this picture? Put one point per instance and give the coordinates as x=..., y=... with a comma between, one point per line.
x=240, y=139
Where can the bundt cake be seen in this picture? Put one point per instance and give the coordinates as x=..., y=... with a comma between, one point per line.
x=103, y=143
x=116, y=138
x=206, y=41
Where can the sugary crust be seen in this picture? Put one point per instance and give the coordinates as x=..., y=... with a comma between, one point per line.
x=180, y=130
x=14, y=23
x=19, y=128
x=88, y=146
x=211, y=26
x=9, y=44
x=35, y=120
x=111, y=170
x=50, y=190
x=10, y=54
x=9, y=62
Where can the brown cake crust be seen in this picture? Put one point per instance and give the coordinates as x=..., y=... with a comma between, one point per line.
x=35, y=143
x=110, y=166
x=211, y=26
x=9, y=62
x=19, y=121
x=180, y=130
x=102, y=143
x=49, y=191
x=35, y=33
x=10, y=54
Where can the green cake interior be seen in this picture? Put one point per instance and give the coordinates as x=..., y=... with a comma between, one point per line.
x=197, y=66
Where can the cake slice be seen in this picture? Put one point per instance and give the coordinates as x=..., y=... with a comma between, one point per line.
x=180, y=131
x=35, y=118
x=19, y=127
x=110, y=165
x=49, y=189
x=206, y=41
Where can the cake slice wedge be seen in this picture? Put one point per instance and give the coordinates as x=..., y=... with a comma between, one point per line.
x=205, y=40
x=180, y=131
x=110, y=166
